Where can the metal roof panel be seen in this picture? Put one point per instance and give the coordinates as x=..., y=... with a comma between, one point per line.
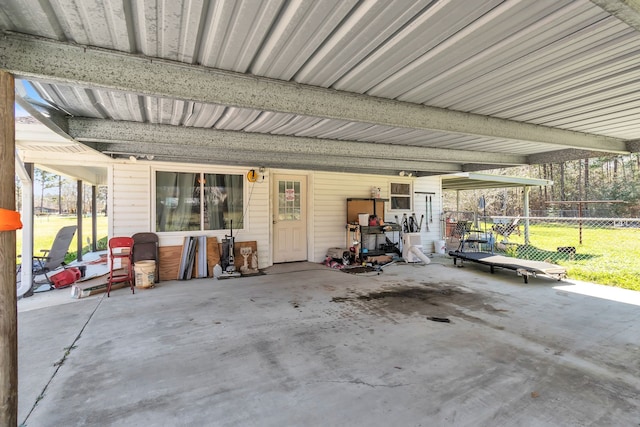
x=567, y=64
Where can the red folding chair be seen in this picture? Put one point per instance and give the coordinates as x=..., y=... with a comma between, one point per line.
x=121, y=248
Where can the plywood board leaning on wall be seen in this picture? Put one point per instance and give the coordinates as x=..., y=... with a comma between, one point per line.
x=170, y=257
x=169, y=262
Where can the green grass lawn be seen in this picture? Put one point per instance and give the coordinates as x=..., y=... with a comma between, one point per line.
x=46, y=227
x=608, y=256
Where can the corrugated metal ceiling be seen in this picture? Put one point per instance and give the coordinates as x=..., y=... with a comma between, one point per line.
x=561, y=64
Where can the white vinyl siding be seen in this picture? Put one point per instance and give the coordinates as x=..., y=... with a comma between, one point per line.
x=258, y=218
x=429, y=184
x=131, y=208
x=331, y=191
x=129, y=199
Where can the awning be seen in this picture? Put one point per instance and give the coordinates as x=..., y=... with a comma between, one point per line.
x=477, y=181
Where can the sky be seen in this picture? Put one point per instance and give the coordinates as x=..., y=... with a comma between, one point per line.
x=20, y=112
x=30, y=94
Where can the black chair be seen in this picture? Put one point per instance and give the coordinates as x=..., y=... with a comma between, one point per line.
x=145, y=247
x=507, y=230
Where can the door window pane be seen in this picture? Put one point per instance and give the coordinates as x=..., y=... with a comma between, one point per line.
x=289, y=201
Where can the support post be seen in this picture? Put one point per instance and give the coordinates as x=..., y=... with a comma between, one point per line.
x=94, y=219
x=8, y=303
x=526, y=215
x=30, y=168
x=25, y=174
x=79, y=216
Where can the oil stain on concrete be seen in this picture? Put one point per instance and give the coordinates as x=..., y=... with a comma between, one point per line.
x=440, y=301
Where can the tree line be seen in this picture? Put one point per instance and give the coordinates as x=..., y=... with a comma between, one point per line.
x=607, y=178
x=55, y=194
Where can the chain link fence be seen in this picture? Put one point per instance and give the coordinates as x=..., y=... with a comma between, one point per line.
x=590, y=248
x=557, y=239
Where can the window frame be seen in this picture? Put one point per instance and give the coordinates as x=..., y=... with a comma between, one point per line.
x=400, y=195
x=202, y=171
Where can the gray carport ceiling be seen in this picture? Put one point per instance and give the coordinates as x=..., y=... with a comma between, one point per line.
x=365, y=86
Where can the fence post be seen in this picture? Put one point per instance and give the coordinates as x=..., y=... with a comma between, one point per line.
x=526, y=215
x=580, y=220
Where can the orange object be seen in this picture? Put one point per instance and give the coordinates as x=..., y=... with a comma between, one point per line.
x=9, y=220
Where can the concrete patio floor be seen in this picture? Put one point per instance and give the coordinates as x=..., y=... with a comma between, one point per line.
x=306, y=345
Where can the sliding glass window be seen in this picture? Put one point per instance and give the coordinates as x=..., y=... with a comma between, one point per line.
x=188, y=201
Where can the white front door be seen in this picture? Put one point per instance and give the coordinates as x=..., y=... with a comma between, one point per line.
x=289, y=218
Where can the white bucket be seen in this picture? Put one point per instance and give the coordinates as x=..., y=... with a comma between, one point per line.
x=363, y=219
x=440, y=246
x=145, y=273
